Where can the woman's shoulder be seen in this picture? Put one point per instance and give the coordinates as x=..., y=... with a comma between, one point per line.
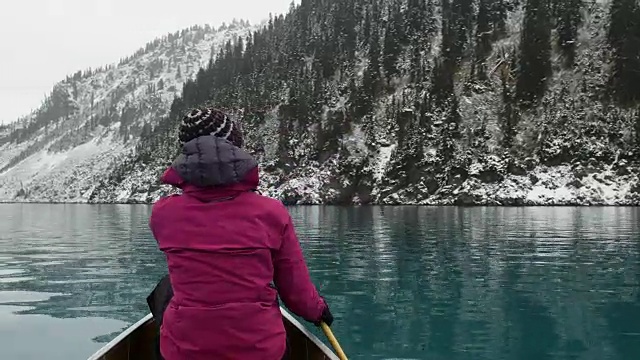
x=164, y=204
x=255, y=204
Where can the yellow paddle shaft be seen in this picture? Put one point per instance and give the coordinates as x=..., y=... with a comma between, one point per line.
x=332, y=339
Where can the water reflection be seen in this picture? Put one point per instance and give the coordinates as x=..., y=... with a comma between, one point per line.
x=27, y=337
x=99, y=260
x=480, y=283
x=403, y=282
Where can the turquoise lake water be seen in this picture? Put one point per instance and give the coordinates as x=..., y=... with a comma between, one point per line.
x=403, y=282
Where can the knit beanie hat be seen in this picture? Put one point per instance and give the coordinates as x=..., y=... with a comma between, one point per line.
x=208, y=121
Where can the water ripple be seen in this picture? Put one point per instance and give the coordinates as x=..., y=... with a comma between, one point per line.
x=403, y=282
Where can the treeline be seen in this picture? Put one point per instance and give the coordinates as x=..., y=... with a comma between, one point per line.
x=56, y=107
x=365, y=50
x=405, y=73
x=194, y=33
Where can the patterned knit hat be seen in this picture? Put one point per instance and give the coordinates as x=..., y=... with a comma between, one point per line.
x=203, y=122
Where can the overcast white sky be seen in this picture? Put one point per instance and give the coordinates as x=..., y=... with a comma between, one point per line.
x=42, y=41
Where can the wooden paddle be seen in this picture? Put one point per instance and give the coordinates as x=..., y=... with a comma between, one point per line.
x=332, y=339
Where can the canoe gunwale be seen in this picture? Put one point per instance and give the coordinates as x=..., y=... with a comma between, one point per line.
x=329, y=354
x=123, y=335
x=314, y=339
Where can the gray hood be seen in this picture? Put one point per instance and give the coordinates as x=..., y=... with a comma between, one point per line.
x=213, y=161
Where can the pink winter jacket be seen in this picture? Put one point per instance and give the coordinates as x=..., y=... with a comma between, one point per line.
x=225, y=245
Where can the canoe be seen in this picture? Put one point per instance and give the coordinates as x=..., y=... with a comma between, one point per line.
x=136, y=342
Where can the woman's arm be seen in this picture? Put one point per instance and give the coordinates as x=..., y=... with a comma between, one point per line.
x=292, y=278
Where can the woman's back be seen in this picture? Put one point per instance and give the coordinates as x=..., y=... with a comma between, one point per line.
x=220, y=265
x=222, y=248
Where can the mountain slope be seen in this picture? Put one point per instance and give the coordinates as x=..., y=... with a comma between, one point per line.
x=422, y=102
x=500, y=102
x=93, y=120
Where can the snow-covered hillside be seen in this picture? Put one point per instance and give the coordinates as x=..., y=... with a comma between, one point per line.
x=573, y=149
x=359, y=102
x=95, y=119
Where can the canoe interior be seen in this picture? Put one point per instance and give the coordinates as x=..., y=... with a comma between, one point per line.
x=137, y=342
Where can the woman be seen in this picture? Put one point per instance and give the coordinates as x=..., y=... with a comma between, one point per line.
x=225, y=245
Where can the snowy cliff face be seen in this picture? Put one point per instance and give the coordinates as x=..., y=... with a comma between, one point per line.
x=93, y=120
x=574, y=148
x=364, y=101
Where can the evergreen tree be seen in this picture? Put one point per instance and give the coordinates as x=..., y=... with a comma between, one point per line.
x=366, y=28
x=372, y=77
x=416, y=20
x=498, y=16
x=624, y=40
x=535, y=52
x=508, y=117
x=483, y=39
x=345, y=27
x=457, y=18
x=636, y=132
x=394, y=38
x=568, y=21
x=442, y=82
x=450, y=132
